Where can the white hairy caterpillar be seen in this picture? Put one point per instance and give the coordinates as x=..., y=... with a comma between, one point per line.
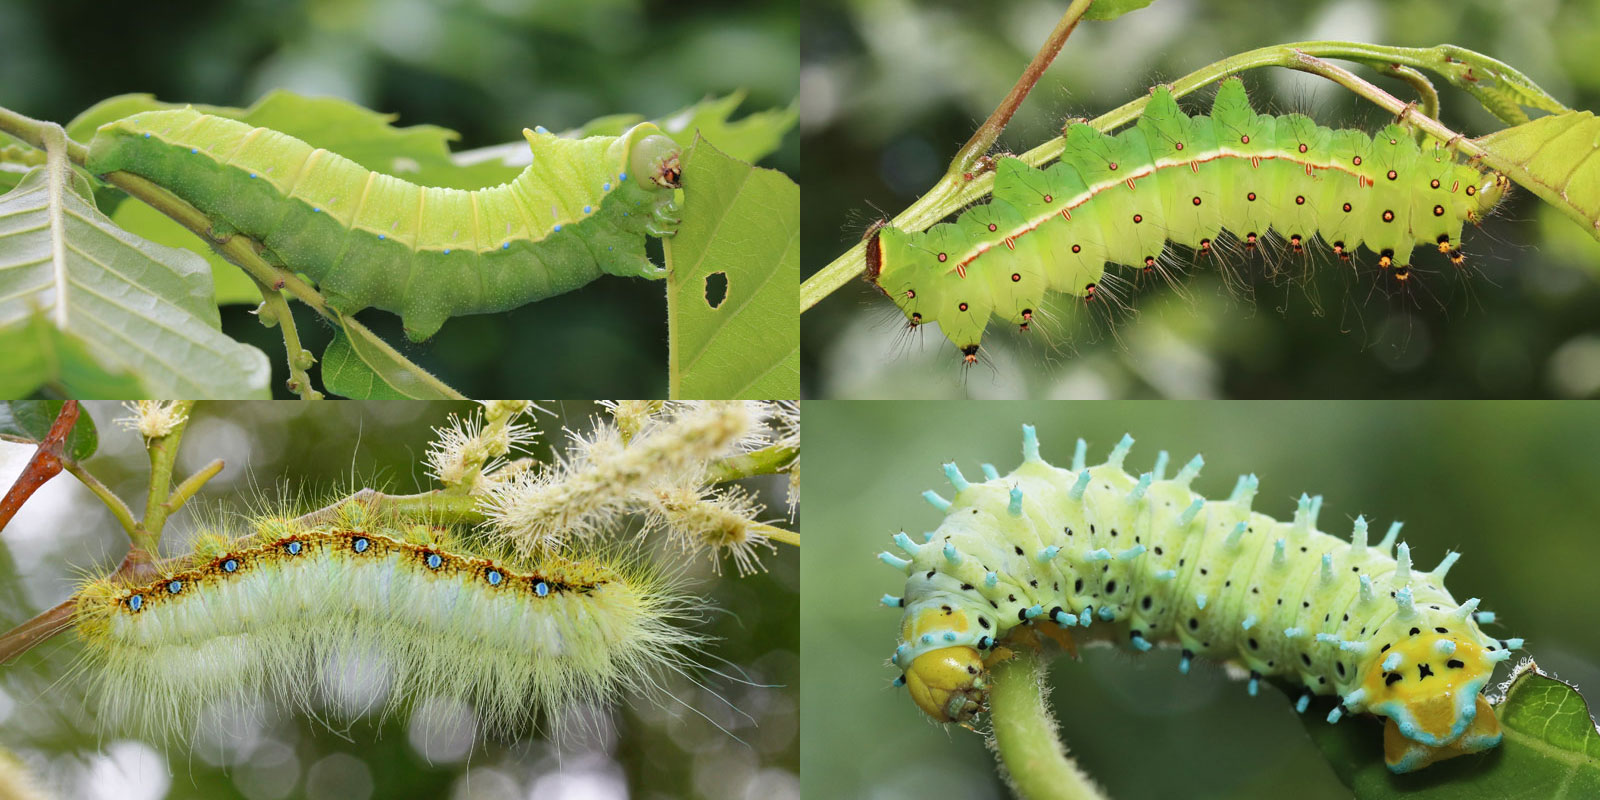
x=1046, y=549
x=259, y=619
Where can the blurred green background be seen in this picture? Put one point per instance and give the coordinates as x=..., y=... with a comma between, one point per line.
x=639, y=748
x=891, y=88
x=485, y=68
x=1509, y=485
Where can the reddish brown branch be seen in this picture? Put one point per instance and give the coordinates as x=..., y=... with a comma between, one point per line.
x=46, y=464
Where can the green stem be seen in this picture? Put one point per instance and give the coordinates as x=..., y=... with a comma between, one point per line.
x=191, y=485
x=299, y=358
x=438, y=506
x=1455, y=64
x=163, y=455
x=777, y=534
x=766, y=461
x=118, y=508
x=240, y=250
x=1025, y=738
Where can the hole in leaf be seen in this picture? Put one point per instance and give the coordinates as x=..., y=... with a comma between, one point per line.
x=716, y=288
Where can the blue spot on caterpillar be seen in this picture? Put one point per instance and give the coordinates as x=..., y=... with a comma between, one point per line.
x=434, y=561
x=494, y=577
x=541, y=589
x=402, y=269
x=292, y=548
x=174, y=587
x=231, y=565
x=361, y=545
x=1208, y=577
x=135, y=602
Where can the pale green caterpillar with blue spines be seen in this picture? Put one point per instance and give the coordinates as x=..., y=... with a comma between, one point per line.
x=582, y=209
x=1091, y=552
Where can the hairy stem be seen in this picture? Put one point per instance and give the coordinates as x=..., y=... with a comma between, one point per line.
x=163, y=454
x=1454, y=64
x=240, y=250
x=766, y=461
x=989, y=132
x=777, y=534
x=1025, y=738
x=440, y=506
x=45, y=464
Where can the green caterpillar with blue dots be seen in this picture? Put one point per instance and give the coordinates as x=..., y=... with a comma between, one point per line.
x=582, y=209
x=1092, y=552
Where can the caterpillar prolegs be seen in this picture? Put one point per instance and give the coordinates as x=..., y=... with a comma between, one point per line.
x=1092, y=552
x=580, y=210
x=1178, y=179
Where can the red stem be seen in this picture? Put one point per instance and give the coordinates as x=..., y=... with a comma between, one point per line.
x=46, y=464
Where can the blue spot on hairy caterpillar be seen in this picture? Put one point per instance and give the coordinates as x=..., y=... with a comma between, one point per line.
x=231, y=565
x=361, y=545
x=494, y=577
x=541, y=589
x=136, y=602
x=588, y=209
x=175, y=587
x=293, y=548
x=434, y=561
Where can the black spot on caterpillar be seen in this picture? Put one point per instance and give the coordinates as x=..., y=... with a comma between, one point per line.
x=1181, y=179
x=1211, y=577
x=580, y=210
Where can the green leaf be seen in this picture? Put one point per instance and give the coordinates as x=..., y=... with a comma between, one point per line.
x=360, y=366
x=1550, y=157
x=752, y=138
x=1111, y=9
x=740, y=224
x=1551, y=751
x=98, y=312
x=232, y=284
x=31, y=419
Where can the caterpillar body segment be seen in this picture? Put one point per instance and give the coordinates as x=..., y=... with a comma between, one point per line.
x=1179, y=179
x=1096, y=552
x=580, y=210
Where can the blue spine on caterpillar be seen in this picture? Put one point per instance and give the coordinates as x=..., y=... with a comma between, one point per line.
x=1145, y=560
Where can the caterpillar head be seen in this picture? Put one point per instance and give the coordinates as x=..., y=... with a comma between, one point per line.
x=949, y=684
x=1428, y=685
x=653, y=160
x=923, y=283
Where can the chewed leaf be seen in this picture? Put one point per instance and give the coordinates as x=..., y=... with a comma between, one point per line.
x=1552, y=157
x=732, y=300
x=1551, y=750
x=99, y=312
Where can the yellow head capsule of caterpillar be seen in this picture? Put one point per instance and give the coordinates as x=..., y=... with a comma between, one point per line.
x=1428, y=686
x=949, y=684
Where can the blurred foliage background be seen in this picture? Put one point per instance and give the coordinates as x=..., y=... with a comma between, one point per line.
x=1506, y=484
x=485, y=68
x=891, y=88
x=638, y=748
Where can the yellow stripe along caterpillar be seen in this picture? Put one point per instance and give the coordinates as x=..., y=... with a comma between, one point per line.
x=582, y=209
x=1172, y=177
x=262, y=620
x=1045, y=550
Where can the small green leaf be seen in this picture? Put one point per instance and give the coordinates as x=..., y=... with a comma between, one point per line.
x=738, y=249
x=31, y=419
x=1551, y=750
x=360, y=366
x=1111, y=9
x=1550, y=157
x=98, y=312
x=750, y=138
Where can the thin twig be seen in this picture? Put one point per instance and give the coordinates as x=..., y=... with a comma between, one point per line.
x=45, y=464
x=766, y=461
x=118, y=508
x=191, y=485
x=1025, y=738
